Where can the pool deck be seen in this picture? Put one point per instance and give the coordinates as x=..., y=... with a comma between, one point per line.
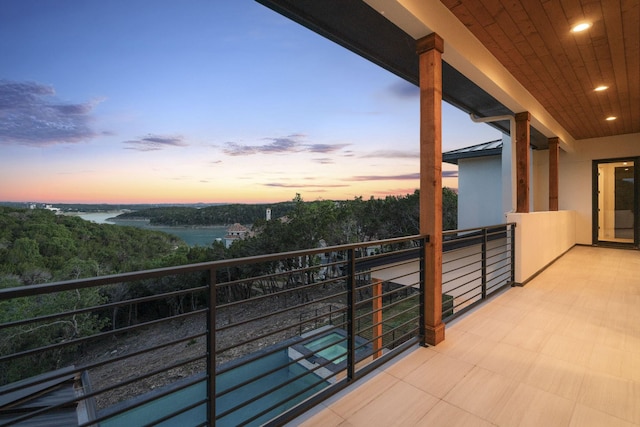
x=564, y=350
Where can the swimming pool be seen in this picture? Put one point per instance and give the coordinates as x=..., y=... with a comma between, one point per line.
x=292, y=394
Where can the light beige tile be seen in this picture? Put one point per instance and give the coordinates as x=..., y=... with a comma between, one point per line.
x=362, y=395
x=614, y=396
x=508, y=360
x=324, y=418
x=510, y=314
x=401, y=405
x=530, y=406
x=445, y=414
x=584, y=416
x=556, y=376
x=631, y=366
x=632, y=343
x=531, y=339
x=482, y=393
x=462, y=345
x=492, y=329
x=612, y=336
x=475, y=353
x=569, y=349
x=606, y=360
x=438, y=375
x=410, y=362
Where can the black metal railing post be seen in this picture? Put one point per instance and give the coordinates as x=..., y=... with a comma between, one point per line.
x=351, y=315
x=484, y=263
x=211, y=350
x=423, y=244
x=513, y=252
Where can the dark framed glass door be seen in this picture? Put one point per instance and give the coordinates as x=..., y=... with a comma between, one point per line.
x=615, y=202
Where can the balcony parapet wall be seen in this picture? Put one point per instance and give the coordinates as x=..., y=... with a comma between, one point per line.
x=541, y=237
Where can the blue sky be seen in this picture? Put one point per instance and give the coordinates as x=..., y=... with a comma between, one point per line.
x=198, y=101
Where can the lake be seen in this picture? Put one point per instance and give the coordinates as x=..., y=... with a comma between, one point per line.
x=193, y=236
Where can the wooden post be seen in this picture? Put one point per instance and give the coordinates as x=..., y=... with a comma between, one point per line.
x=376, y=330
x=522, y=161
x=430, y=49
x=554, y=163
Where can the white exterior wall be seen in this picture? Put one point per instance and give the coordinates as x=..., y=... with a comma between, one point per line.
x=575, y=176
x=479, y=192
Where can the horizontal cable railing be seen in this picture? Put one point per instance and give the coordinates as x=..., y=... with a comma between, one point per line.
x=476, y=263
x=234, y=342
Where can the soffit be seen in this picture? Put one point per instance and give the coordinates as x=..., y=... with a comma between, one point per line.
x=561, y=69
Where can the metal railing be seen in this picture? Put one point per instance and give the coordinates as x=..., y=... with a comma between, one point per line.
x=476, y=263
x=235, y=342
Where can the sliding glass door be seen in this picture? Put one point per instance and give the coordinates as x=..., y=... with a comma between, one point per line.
x=615, y=199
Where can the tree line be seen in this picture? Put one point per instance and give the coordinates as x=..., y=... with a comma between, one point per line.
x=38, y=246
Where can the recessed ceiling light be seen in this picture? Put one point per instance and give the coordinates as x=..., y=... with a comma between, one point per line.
x=601, y=88
x=611, y=118
x=580, y=27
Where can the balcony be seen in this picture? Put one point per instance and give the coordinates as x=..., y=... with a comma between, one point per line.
x=242, y=341
x=564, y=350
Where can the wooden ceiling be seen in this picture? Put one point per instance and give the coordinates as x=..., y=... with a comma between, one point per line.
x=561, y=69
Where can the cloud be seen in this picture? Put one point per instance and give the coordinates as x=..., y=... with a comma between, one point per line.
x=31, y=115
x=288, y=144
x=324, y=161
x=404, y=90
x=385, y=177
x=409, y=176
x=395, y=192
x=155, y=143
x=283, y=185
x=392, y=154
x=325, y=148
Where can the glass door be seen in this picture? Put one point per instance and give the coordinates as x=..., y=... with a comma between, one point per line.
x=615, y=202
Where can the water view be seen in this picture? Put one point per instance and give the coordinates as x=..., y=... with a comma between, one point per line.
x=193, y=236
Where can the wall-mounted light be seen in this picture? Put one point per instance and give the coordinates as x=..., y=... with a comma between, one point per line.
x=601, y=88
x=611, y=118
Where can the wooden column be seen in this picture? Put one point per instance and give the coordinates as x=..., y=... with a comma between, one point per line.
x=376, y=330
x=522, y=161
x=430, y=50
x=554, y=159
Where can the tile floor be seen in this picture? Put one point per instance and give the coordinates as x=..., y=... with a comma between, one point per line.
x=564, y=350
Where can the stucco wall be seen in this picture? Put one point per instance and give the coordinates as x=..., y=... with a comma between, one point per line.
x=540, y=238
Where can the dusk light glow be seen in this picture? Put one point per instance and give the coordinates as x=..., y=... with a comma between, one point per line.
x=201, y=101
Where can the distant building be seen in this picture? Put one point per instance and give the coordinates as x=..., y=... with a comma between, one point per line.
x=268, y=215
x=235, y=232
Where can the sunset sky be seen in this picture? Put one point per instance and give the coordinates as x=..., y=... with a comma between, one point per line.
x=150, y=101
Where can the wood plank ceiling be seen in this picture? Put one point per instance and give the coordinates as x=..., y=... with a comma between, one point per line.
x=532, y=39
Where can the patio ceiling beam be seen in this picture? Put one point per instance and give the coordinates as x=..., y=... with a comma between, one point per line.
x=554, y=161
x=523, y=121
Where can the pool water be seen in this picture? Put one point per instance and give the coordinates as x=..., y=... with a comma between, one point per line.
x=337, y=352
x=158, y=408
